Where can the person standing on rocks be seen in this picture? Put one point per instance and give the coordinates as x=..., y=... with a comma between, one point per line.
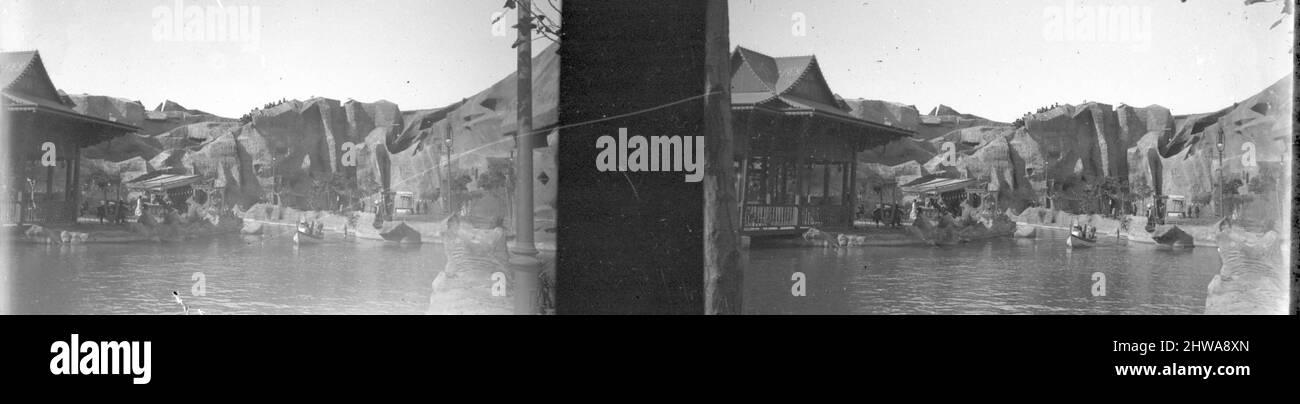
x=120, y=212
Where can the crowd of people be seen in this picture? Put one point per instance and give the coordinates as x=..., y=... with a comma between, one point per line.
x=887, y=215
x=892, y=214
x=114, y=212
x=311, y=227
x=1085, y=231
x=119, y=211
x=1019, y=122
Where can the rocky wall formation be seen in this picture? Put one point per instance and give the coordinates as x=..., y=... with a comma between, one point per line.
x=1073, y=145
x=300, y=146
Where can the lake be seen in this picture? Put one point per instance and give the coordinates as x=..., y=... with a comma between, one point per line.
x=1000, y=276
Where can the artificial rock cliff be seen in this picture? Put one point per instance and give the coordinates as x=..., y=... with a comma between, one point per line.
x=303, y=144
x=1072, y=145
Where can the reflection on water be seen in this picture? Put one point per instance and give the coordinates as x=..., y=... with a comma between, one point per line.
x=1003, y=276
x=242, y=275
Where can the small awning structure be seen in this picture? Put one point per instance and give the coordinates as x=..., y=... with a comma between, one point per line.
x=163, y=182
x=940, y=185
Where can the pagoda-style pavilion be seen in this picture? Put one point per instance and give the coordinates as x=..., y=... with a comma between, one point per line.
x=796, y=145
x=40, y=183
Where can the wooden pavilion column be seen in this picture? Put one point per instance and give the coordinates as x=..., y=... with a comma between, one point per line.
x=76, y=177
x=800, y=151
x=851, y=190
x=69, y=170
x=49, y=179
x=746, y=130
x=67, y=176
x=826, y=181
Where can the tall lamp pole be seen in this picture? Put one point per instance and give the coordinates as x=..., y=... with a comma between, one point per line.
x=1222, y=213
x=523, y=260
x=446, y=185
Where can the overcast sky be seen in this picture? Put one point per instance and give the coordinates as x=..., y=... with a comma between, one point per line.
x=995, y=58
x=416, y=53
x=1002, y=58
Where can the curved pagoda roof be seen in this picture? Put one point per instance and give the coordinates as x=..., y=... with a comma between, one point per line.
x=795, y=86
x=25, y=85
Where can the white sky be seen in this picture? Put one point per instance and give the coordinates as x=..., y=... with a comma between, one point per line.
x=416, y=53
x=987, y=57
x=994, y=58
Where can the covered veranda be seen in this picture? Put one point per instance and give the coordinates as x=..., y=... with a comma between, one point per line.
x=796, y=145
x=42, y=140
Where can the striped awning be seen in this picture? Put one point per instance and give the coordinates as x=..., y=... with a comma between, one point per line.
x=164, y=182
x=941, y=185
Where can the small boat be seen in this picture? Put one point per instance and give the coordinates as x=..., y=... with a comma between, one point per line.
x=303, y=235
x=1026, y=231
x=400, y=232
x=1078, y=239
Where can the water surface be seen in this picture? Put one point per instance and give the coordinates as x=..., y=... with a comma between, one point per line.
x=1001, y=276
x=242, y=274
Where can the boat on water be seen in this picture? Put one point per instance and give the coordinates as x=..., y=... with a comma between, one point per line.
x=400, y=232
x=1026, y=231
x=1081, y=237
x=305, y=235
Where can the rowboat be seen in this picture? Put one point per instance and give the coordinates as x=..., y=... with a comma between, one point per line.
x=1077, y=240
x=303, y=236
x=1026, y=231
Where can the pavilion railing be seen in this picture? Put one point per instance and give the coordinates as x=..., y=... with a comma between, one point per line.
x=783, y=217
x=46, y=212
x=11, y=212
x=825, y=216
x=770, y=217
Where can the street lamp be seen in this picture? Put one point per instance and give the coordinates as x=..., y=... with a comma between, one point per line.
x=524, y=260
x=1219, y=145
x=446, y=185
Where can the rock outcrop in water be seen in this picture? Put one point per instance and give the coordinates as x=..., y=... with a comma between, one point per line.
x=171, y=228
x=946, y=230
x=400, y=232
x=1254, y=278
x=1172, y=236
x=476, y=264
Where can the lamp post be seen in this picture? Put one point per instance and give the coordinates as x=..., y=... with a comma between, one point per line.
x=1219, y=145
x=523, y=260
x=446, y=185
